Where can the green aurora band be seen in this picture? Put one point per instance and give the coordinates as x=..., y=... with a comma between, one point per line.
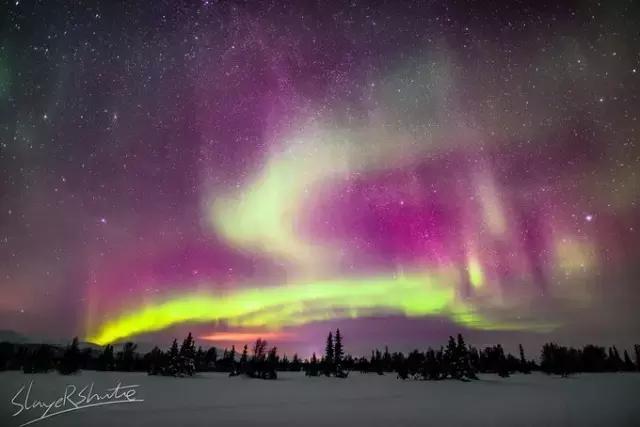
x=291, y=305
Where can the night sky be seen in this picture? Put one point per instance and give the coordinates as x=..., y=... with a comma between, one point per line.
x=402, y=170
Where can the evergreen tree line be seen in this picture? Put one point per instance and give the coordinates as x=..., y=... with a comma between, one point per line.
x=560, y=360
x=456, y=360
x=43, y=358
x=179, y=360
x=333, y=362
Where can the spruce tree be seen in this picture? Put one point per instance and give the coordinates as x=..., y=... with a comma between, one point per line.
x=548, y=358
x=106, y=360
x=284, y=364
x=269, y=372
x=155, y=361
x=386, y=359
x=377, y=363
x=173, y=360
x=401, y=366
x=232, y=353
x=464, y=362
x=211, y=358
x=230, y=362
x=328, y=356
x=40, y=361
x=614, y=361
x=628, y=364
x=503, y=369
x=295, y=363
x=201, y=359
x=70, y=362
x=524, y=365
x=594, y=359
x=187, y=356
x=338, y=353
x=441, y=364
x=312, y=367
x=7, y=355
x=257, y=365
x=126, y=357
x=43, y=358
x=474, y=359
x=244, y=360
x=452, y=362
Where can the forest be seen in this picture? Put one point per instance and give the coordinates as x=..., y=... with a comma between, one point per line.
x=454, y=360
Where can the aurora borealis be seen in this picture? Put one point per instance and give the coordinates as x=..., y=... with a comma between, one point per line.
x=279, y=168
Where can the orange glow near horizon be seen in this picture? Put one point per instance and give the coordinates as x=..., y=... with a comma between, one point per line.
x=245, y=337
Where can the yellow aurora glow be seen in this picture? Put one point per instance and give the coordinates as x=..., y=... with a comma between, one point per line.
x=281, y=306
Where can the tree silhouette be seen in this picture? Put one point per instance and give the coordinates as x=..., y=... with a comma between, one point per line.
x=70, y=362
x=311, y=369
x=259, y=349
x=452, y=366
x=40, y=361
x=524, y=365
x=628, y=364
x=126, y=357
x=231, y=359
x=155, y=361
x=296, y=364
x=594, y=359
x=466, y=370
x=106, y=359
x=211, y=357
x=187, y=356
x=173, y=362
x=338, y=352
x=376, y=362
x=386, y=360
x=256, y=366
x=7, y=355
x=244, y=360
x=456, y=361
x=559, y=360
x=401, y=366
x=269, y=371
x=262, y=364
x=284, y=364
x=327, y=364
x=200, y=360
x=338, y=357
x=503, y=370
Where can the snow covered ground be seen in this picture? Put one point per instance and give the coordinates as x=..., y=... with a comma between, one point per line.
x=361, y=400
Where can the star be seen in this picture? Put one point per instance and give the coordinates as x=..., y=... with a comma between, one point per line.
x=285, y=145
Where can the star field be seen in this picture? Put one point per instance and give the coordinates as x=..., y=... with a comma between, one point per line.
x=243, y=167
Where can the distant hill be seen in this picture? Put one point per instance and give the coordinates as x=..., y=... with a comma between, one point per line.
x=12, y=336
x=17, y=338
